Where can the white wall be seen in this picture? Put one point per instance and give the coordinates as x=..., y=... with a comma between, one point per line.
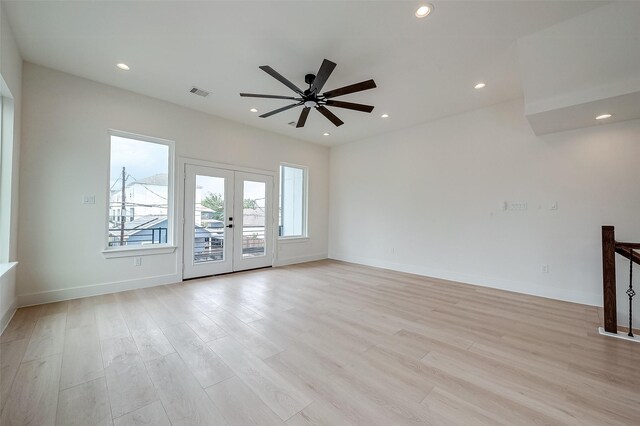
x=428, y=200
x=11, y=73
x=65, y=148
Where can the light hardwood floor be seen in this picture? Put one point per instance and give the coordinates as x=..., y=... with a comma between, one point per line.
x=318, y=343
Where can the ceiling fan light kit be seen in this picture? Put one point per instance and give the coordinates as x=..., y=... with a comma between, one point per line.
x=313, y=96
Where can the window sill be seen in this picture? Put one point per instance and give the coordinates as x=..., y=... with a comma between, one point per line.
x=293, y=239
x=137, y=251
x=6, y=267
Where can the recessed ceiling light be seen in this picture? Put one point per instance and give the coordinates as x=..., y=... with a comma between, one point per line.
x=325, y=134
x=385, y=116
x=123, y=67
x=253, y=110
x=603, y=116
x=424, y=10
x=479, y=86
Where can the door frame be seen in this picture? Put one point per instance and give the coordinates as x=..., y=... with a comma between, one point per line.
x=179, y=185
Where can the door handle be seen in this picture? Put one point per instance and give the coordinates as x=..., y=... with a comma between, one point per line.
x=230, y=225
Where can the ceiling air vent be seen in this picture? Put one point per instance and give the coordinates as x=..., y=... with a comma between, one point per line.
x=199, y=92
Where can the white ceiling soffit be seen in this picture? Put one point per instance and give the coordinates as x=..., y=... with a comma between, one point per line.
x=583, y=67
x=424, y=68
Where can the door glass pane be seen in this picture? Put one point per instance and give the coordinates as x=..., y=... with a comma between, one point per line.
x=253, y=219
x=208, y=239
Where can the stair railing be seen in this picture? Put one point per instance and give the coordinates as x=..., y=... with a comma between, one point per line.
x=609, y=249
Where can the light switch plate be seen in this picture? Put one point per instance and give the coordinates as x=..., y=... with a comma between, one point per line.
x=88, y=199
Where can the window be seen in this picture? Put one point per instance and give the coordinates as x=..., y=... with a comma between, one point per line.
x=7, y=171
x=293, y=201
x=140, y=191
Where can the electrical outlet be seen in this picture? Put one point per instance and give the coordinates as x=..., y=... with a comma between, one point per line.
x=545, y=268
x=554, y=205
x=137, y=261
x=88, y=199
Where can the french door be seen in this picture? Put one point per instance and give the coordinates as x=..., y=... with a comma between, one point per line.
x=228, y=221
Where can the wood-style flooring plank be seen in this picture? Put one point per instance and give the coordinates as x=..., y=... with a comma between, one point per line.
x=184, y=400
x=320, y=412
x=279, y=395
x=205, y=365
x=151, y=343
x=239, y=405
x=55, y=308
x=206, y=329
x=11, y=354
x=128, y=383
x=310, y=374
x=243, y=333
x=110, y=321
x=33, y=399
x=159, y=313
x=21, y=325
x=82, y=357
x=47, y=337
x=151, y=415
x=80, y=313
x=85, y=404
x=133, y=311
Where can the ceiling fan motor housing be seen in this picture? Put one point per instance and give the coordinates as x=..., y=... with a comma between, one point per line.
x=309, y=79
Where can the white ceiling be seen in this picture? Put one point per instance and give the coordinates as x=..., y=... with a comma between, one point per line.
x=424, y=68
x=581, y=68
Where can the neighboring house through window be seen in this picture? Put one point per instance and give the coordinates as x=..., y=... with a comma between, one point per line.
x=140, y=191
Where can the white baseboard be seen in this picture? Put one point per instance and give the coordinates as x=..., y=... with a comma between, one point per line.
x=8, y=315
x=98, y=289
x=299, y=259
x=94, y=290
x=479, y=280
x=619, y=335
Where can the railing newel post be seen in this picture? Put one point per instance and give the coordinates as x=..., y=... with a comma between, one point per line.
x=609, y=279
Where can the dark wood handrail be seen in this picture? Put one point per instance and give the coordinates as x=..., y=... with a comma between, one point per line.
x=629, y=254
x=609, y=249
x=632, y=246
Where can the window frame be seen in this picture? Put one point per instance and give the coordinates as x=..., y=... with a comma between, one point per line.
x=305, y=201
x=8, y=170
x=169, y=246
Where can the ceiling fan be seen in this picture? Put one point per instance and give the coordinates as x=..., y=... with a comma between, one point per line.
x=312, y=97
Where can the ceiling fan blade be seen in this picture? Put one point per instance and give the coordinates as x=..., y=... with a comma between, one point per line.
x=273, y=73
x=330, y=116
x=323, y=75
x=358, y=87
x=275, y=111
x=350, y=105
x=303, y=116
x=256, y=95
